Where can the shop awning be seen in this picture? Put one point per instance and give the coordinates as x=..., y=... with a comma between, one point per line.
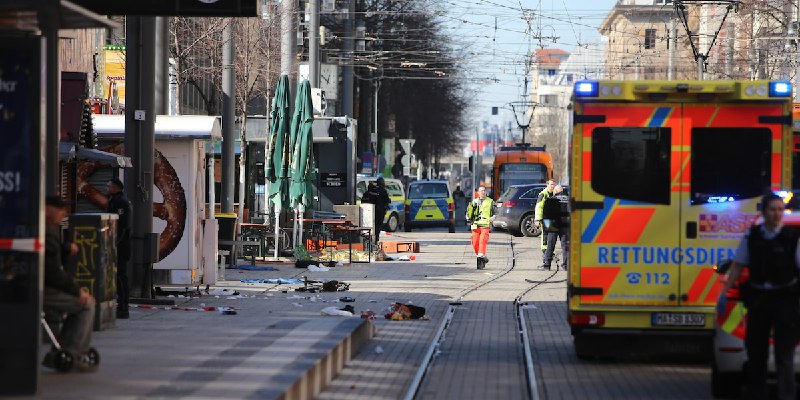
x=32, y=14
x=168, y=127
x=68, y=152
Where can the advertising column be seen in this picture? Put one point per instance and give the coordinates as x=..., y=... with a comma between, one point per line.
x=21, y=236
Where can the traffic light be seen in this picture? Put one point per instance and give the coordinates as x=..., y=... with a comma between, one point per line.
x=471, y=162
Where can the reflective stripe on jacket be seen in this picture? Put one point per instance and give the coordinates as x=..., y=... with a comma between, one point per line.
x=539, y=208
x=484, y=211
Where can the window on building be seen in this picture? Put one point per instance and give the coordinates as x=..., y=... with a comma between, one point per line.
x=547, y=99
x=649, y=38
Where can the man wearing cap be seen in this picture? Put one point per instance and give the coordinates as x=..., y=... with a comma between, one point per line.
x=119, y=204
x=62, y=294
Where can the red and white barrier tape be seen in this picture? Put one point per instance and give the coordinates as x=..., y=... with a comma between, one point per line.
x=30, y=245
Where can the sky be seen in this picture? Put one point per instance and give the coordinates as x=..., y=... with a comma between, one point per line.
x=496, y=37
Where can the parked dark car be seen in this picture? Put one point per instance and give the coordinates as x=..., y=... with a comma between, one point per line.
x=514, y=209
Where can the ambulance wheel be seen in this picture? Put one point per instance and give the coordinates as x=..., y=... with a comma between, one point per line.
x=393, y=223
x=407, y=226
x=725, y=385
x=527, y=227
x=62, y=361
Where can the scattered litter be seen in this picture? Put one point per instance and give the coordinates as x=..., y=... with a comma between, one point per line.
x=400, y=311
x=320, y=267
x=203, y=307
x=269, y=295
x=309, y=263
x=335, y=312
x=318, y=286
x=403, y=258
x=347, y=299
x=378, y=349
x=249, y=267
x=295, y=297
x=223, y=292
x=372, y=301
x=279, y=281
x=297, y=304
x=368, y=314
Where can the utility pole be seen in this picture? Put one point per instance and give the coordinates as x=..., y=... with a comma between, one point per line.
x=140, y=119
x=347, y=67
x=672, y=42
x=288, y=44
x=313, y=44
x=228, y=126
x=53, y=107
x=162, y=66
x=731, y=34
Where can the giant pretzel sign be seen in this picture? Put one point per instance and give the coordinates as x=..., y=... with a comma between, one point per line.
x=172, y=210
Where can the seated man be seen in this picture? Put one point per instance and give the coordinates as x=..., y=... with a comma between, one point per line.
x=63, y=295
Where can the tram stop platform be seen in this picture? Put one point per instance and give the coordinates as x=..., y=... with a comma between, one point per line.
x=278, y=345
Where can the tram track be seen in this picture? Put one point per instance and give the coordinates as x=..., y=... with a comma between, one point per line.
x=456, y=304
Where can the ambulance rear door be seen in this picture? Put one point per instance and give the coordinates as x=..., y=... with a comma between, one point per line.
x=626, y=204
x=732, y=155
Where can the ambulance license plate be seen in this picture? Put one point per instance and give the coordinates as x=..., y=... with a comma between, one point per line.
x=429, y=207
x=679, y=319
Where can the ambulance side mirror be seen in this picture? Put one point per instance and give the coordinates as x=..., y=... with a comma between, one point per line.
x=723, y=266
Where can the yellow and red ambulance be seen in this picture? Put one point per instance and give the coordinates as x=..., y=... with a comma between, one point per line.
x=665, y=178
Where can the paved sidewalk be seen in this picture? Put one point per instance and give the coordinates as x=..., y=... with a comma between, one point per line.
x=261, y=350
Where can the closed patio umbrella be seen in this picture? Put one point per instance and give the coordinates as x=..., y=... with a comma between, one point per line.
x=302, y=168
x=278, y=158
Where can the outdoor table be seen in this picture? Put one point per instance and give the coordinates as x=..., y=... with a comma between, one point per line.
x=242, y=244
x=349, y=230
x=318, y=227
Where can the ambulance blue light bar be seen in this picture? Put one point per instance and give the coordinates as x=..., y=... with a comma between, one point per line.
x=587, y=89
x=780, y=89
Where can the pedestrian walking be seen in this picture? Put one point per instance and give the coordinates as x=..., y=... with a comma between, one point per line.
x=538, y=220
x=119, y=204
x=771, y=255
x=63, y=295
x=377, y=195
x=480, y=215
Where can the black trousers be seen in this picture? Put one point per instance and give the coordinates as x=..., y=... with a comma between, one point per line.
x=123, y=288
x=768, y=311
x=550, y=240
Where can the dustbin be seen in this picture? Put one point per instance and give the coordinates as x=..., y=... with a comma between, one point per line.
x=227, y=231
x=96, y=261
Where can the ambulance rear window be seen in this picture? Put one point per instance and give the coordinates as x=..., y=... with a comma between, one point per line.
x=632, y=163
x=729, y=164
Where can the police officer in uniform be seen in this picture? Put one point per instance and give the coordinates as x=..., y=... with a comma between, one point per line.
x=770, y=253
x=119, y=204
x=376, y=194
x=546, y=194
